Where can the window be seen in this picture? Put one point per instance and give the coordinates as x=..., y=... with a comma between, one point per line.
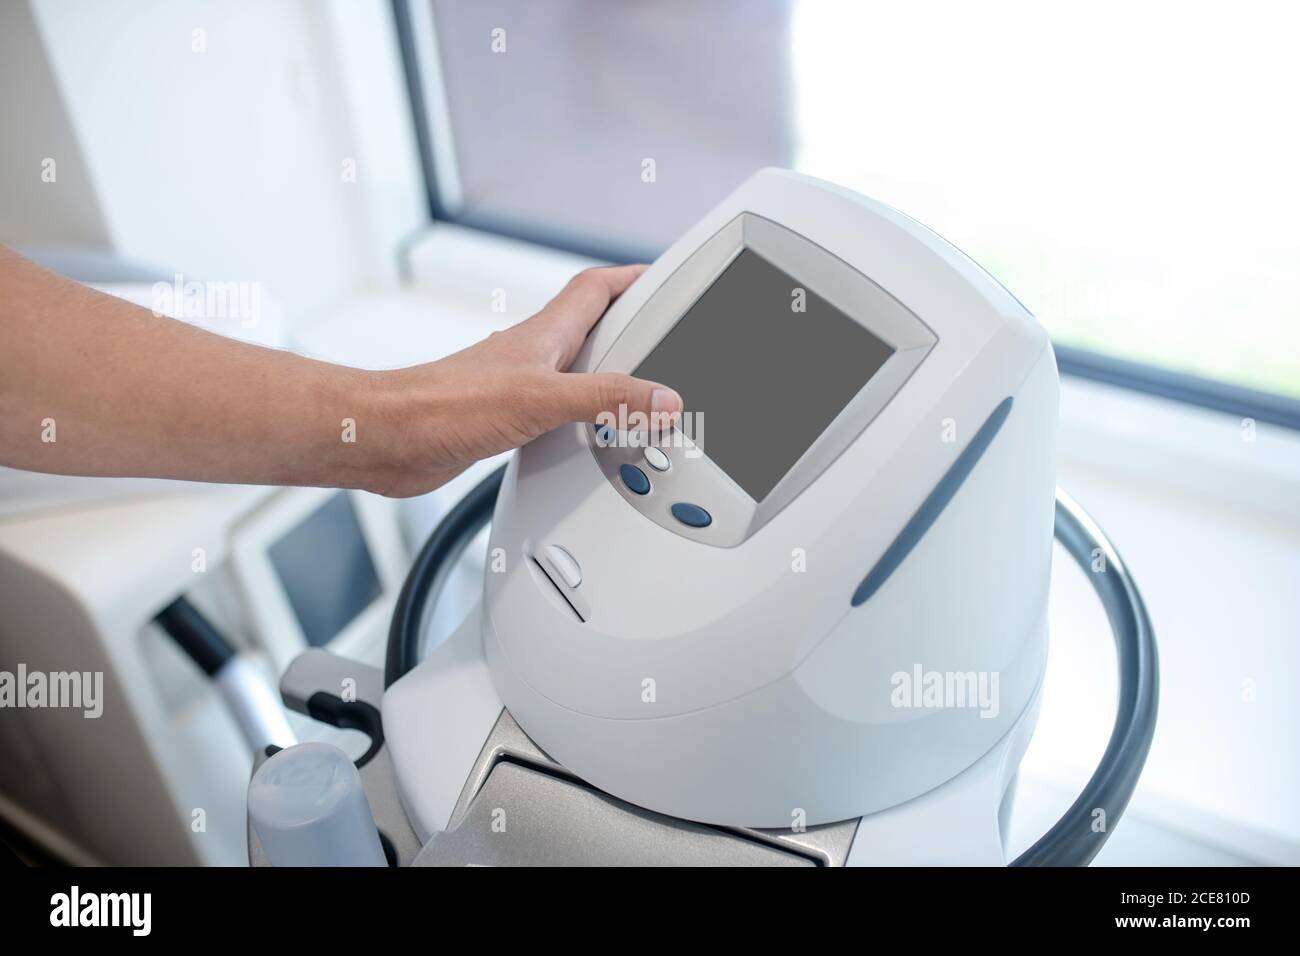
x=1127, y=170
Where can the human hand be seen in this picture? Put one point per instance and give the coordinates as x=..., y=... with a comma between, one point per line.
x=507, y=390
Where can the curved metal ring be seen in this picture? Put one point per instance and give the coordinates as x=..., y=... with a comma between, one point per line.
x=1074, y=840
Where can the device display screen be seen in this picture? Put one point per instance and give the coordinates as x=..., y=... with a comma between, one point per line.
x=325, y=567
x=766, y=364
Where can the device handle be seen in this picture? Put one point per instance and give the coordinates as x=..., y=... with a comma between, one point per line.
x=1073, y=840
x=429, y=572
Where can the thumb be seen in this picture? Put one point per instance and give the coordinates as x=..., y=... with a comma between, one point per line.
x=584, y=396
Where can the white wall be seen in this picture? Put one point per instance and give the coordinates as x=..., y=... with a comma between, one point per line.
x=216, y=135
x=34, y=128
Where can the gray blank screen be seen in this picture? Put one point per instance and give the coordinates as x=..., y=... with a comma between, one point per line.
x=765, y=379
x=325, y=567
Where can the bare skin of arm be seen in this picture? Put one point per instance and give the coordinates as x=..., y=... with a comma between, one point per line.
x=134, y=394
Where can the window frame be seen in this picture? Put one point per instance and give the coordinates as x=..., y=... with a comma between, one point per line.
x=413, y=20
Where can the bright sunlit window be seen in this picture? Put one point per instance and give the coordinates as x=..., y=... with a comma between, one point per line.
x=1127, y=170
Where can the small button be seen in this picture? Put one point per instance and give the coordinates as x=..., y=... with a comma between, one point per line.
x=564, y=564
x=634, y=478
x=693, y=515
x=657, y=459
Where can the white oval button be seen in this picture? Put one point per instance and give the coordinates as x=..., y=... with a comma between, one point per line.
x=564, y=565
x=657, y=459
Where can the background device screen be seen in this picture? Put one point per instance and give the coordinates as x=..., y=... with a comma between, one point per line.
x=764, y=378
x=325, y=566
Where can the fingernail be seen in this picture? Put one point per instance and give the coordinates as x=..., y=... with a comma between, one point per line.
x=665, y=400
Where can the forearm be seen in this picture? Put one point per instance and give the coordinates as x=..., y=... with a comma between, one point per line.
x=93, y=385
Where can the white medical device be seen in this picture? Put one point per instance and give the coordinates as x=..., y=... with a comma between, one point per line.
x=807, y=625
x=874, y=495
x=275, y=570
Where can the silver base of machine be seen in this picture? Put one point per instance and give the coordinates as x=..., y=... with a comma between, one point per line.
x=520, y=808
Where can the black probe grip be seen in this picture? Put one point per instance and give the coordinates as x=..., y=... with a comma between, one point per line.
x=196, y=635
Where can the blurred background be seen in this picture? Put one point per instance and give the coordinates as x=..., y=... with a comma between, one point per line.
x=398, y=179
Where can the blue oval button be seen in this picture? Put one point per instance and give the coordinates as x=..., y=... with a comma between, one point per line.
x=635, y=479
x=692, y=515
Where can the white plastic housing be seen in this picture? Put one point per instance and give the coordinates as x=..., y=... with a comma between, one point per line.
x=738, y=684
